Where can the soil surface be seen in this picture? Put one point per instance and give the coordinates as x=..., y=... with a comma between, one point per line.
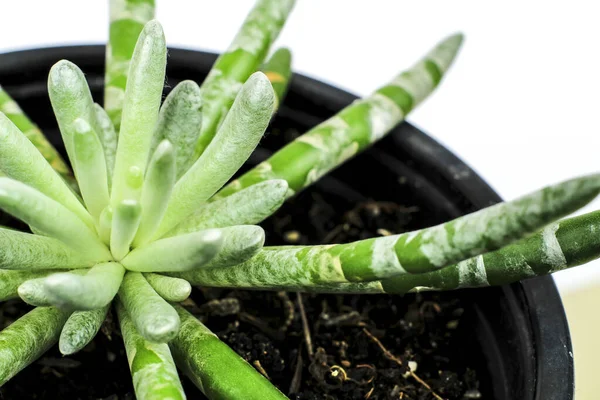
x=311, y=346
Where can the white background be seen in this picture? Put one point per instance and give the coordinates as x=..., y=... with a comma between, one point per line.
x=520, y=105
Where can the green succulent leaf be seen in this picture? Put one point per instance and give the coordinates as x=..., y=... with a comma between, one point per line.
x=28, y=338
x=13, y=111
x=50, y=218
x=80, y=329
x=243, y=57
x=152, y=367
x=108, y=137
x=237, y=138
x=90, y=167
x=158, y=185
x=152, y=316
x=94, y=290
x=355, y=128
x=127, y=20
x=215, y=368
x=141, y=104
x=171, y=289
x=125, y=221
x=36, y=172
x=180, y=121
x=409, y=253
x=178, y=253
x=11, y=280
x=279, y=71
x=248, y=206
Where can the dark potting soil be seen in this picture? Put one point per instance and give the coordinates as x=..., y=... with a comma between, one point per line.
x=311, y=346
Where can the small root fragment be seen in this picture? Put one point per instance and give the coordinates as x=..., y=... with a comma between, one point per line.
x=288, y=309
x=297, y=378
x=395, y=359
x=305, y=328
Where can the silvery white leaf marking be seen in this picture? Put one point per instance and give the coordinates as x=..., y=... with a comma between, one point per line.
x=384, y=261
x=472, y=273
x=417, y=82
x=552, y=253
x=384, y=114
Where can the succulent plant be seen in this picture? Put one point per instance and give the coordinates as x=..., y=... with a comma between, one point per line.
x=148, y=211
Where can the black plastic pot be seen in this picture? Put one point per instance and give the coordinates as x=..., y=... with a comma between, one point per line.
x=524, y=349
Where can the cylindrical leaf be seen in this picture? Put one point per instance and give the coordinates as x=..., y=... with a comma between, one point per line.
x=156, y=191
x=237, y=138
x=246, y=207
x=125, y=222
x=180, y=121
x=11, y=280
x=279, y=71
x=108, y=138
x=178, y=253
x=34, y=252
x=414, y=252
x=50, y=218
x=171, y=289
x=353, y=129
x=152, y=368
x=12, y=110
x=35, y=292
x=127, y=19
x=28, y=338
x=140, y=107
x=90, y=167
x=36, y=172
x=94, y=290
x=215, y=368
x=80, y=329
x=243, y=57
x=152, y=316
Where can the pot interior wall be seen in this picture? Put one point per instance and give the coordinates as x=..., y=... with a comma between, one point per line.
x=503, y=336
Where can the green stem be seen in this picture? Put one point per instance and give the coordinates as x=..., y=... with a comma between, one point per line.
x=178, y=253
x=279, y=71
x=50, y=218
x=152, y=316
x=28, y=338
x=246, y=207
x=238, y=62
x=180, y=122
x=156, y=191
x=127, y=20
x=353, y=129
x=152, y=368
x=12, y=110
x=173, y=290
x=80, y=329
x=237, y=138
x=140, y=107
x=414, y=252
x=215, y=368
x=94, y=290
x=37, y=173
x=11, y=280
